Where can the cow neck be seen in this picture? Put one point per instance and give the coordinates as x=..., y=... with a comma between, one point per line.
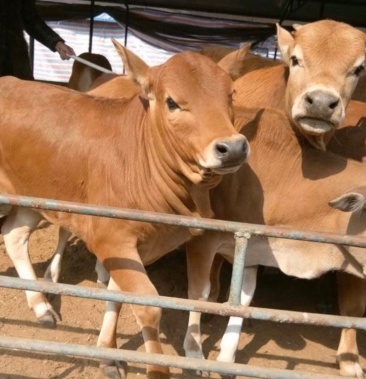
x=167, y=187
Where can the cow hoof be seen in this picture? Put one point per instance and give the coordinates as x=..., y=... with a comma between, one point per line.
x=114, y=372
x=49, y=319
x=352, y=370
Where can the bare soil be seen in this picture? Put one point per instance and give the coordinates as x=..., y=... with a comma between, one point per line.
x=266, y=344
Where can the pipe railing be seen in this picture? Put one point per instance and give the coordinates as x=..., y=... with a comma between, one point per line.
x=242, y=232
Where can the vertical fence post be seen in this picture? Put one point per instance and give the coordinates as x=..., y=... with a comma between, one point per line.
x=241, y=243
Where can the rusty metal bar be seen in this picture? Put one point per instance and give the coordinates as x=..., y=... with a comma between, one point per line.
x=237, y=276
x=159, y=359
x=191, y=222
x=281, y=316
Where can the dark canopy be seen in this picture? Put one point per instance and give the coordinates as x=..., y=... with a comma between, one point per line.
x=177, y=24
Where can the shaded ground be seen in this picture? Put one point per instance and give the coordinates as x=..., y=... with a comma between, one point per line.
x=265, y=344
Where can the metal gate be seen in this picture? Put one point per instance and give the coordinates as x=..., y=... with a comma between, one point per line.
x=242, y=232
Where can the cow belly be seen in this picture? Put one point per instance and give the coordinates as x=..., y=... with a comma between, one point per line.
x=306, y=260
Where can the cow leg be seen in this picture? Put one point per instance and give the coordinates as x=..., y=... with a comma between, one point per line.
x=200, y=256
x=16, y=231
x=230, y=340
x=129, y=275
x=107, y=336
x=149, y=318
x=351, y=298
x=52, y=273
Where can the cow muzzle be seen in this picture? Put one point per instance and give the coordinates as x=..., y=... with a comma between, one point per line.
x=226, y=156
x=318, y=112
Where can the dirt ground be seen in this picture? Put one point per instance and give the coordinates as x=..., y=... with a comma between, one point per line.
x=266, y=344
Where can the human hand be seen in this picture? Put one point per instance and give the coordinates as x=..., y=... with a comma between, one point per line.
x=64, y=50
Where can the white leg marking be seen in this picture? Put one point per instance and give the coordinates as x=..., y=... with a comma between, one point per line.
x=16, y=231
x=230, y=340
x=107, y=335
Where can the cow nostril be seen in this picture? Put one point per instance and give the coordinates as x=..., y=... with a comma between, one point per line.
x=222, y=149
x=334, y=104
x=309, y=99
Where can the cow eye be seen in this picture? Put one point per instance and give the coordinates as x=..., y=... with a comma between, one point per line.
x=358, y=70
x=294, y=61
x=172, y=105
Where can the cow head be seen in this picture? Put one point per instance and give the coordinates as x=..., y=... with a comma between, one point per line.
x=325, y=60
x=189, y=101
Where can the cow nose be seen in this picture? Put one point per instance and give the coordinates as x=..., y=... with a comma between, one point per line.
x=232, y=151
x=321, y=103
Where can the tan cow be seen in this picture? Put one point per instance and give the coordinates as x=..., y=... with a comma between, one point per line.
x=323, y=62
x=162, y=151
x=329, y=56
x=289, y=184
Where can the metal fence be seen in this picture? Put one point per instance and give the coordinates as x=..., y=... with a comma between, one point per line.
x=242, y=232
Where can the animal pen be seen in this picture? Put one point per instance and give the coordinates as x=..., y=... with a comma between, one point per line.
x=242, y=233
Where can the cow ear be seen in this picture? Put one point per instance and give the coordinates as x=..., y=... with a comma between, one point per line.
x=232, y=62
x=284, y=42
x=135, y=67
x=349, y=202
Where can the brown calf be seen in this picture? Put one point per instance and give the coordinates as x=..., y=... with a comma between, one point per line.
x=162, y=150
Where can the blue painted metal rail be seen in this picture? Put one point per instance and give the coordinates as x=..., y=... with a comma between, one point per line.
x=242, y=233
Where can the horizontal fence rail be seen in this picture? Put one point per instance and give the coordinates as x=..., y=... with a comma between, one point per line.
x=162, y=360
x=190, y=222
x=242, y=232
x=281, y=316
